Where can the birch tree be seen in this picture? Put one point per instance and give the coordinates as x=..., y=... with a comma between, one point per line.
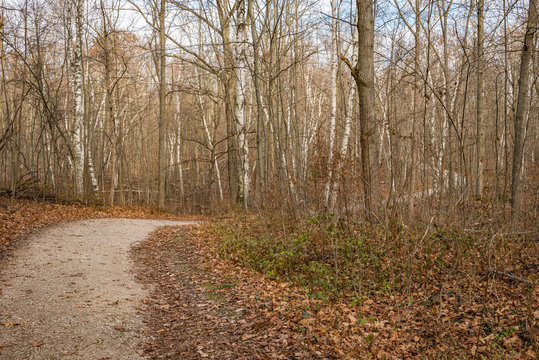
x=333, y=98
x=78, y=91
x=240, y=103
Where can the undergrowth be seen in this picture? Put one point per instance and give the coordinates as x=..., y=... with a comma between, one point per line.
x=335, y=258
x=483, y=277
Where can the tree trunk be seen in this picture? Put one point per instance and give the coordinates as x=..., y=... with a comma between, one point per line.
x=229, y=84
x=479, y=132
x=260, y=129
x=240, y=61
x=77, y=71
x=109, y=113
x=415, y=116
x=333, y=100
x=522, y=109
x=363, y=73
x=161, y=166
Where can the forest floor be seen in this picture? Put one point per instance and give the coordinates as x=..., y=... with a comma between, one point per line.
x=214, y=298
x=70, y=292
x=200, y=309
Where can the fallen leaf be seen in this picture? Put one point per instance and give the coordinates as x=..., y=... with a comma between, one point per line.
x=10, y=324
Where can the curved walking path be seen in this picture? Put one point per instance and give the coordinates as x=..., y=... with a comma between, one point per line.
x=68, y=292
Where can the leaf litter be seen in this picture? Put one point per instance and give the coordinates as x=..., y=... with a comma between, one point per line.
x=203, y=306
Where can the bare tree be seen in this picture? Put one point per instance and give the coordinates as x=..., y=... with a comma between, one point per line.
x=479, y=132
x=363, y=73
x=240, y=103
x=333, y=87
x=161, y=157
x=78, y=91
x=522, y=108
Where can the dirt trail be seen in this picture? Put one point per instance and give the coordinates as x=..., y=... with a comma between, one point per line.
x=68, y=293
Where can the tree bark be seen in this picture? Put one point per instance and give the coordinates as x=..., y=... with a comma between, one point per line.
x=240, y=60
x=229, y=84
x=333, y=100
x=260, y=129
x=78, y=92
x=479, y=132
x=415, y=117
x=522, y=109
x=363, y=73
x=162, y=158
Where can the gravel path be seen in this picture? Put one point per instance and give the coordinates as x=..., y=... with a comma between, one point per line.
x=68, y=292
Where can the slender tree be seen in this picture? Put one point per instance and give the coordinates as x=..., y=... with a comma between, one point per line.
x=162, y=156
x=522, y=108
x=333, y=97
x=78, y=91
x=479, y=132
x=240, y=59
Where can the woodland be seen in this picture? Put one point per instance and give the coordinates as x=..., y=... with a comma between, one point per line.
x=368, y=170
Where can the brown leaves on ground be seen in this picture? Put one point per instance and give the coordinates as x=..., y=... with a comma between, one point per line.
x=199, y=311
x=206, y=307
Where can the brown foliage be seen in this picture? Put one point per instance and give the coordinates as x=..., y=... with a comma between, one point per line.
x=446, y=294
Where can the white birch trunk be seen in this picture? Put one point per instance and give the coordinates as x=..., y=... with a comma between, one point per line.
x=87, y=130
x=212, y=148
x=76, y=68
x=290, y=142
x=240, y=103
x=348, y=120
x=349, y=111
x=333, y=87
x=179, y=150
x=91, y=170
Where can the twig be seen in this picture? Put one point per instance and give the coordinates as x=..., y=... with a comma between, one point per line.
x=518, y=233
x=423, y=238
x=511, y=276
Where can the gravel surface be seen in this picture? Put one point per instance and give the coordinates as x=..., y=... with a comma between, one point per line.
x=68, y=293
